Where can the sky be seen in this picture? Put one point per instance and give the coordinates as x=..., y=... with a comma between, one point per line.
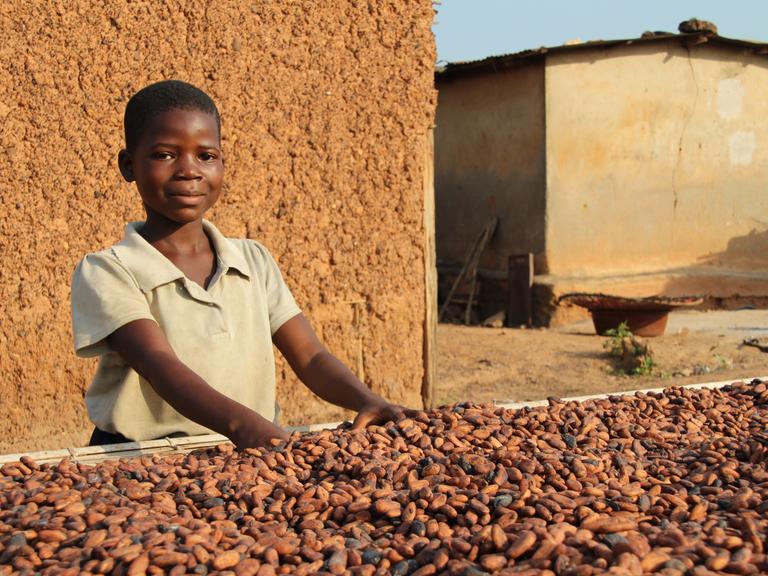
x=474, y=29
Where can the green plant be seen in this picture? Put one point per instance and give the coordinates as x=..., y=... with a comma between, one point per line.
x=723, y=363
x=615, y=338
x=633, y=357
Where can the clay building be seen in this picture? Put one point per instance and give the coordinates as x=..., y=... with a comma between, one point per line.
x=630, y=167
x=327, y=113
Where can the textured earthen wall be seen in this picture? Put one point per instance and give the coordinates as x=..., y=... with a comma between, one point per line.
x=326, y=109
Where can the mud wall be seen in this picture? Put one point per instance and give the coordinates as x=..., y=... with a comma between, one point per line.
x=657, y=160
x=326, y=109
x=489, y=161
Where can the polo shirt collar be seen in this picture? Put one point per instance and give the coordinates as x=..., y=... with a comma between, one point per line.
x=151, y=269
x=227, y=254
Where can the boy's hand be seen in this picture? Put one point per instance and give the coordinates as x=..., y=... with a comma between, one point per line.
x=257, y=432
x=327, y=377
x=378, y=411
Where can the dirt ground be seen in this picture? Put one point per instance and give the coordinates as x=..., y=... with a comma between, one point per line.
x=484, y=364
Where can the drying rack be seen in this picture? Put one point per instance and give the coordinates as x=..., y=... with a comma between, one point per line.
x=168, y=446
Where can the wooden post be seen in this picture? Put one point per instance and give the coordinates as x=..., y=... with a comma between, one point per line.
x=430, y=273
x=519, y=290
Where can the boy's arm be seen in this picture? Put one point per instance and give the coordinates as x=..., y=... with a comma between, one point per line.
x=145, y=348
x=327, y=377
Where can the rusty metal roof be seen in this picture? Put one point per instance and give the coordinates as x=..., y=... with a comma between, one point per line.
x=495, y=63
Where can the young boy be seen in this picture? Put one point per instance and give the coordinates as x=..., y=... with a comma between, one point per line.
x=182, y=318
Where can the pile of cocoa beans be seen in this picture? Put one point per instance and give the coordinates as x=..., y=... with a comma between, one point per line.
x=665, y=483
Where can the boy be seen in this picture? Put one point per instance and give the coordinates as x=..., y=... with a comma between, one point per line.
x=182, y=318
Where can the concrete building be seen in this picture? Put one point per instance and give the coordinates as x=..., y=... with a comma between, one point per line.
x=631, y=167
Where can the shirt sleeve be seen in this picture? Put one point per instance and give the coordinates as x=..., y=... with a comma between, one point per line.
x=105, y=296
x=282, y=306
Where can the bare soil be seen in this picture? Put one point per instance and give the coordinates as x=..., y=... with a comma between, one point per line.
x=484, y=364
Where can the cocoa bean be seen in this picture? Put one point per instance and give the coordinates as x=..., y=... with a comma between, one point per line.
x=669, y=483
x=524, y=542
x=226, y=560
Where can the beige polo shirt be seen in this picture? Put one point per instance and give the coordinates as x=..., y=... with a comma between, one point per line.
x=223, y=333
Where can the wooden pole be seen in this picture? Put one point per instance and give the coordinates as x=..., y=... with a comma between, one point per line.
x=520, y=290
x=430, y=274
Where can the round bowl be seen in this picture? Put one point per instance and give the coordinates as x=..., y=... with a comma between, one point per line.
x=645, y=323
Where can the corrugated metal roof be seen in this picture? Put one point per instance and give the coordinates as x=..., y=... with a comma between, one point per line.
x=515, y=59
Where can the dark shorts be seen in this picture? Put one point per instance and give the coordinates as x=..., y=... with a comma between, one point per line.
x=100, y=438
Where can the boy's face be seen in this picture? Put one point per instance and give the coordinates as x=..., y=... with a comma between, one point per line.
x=177, y=165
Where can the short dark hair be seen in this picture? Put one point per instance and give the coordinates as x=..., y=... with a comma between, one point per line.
x=161, y=97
